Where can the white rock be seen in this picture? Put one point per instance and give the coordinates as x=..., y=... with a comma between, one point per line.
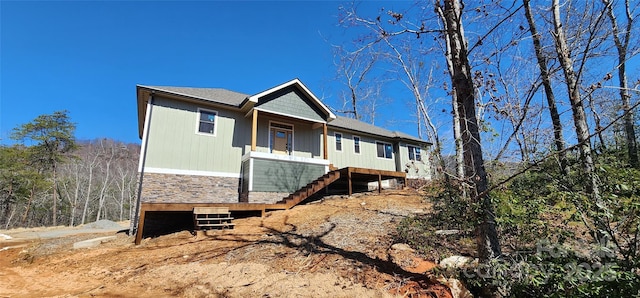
x=6, y=237
x=455, y=261
x=447, y=232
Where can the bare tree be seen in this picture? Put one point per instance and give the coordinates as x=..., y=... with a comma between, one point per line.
x=108, y=152
x=462, y=83
x=355, y=68
x=621, y=40
x=546, y=83
x=91, y=161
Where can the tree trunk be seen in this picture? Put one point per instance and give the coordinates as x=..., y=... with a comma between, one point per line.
x=86, y=202
x=622, y=47
x=546, y=83
x=55, y=199
x=577, y=107
x=28, y=208
x=462, y=83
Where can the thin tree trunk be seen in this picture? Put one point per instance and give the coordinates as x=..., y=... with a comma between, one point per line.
x=28, y=208
x=579, y=117
x=546, y=83
x=462, y=83
x=101, y=199
x=622, y=47
x=86, y=202
x=55, y=198
x=457, y=132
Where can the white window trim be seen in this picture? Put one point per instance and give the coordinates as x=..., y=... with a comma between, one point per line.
x=384, y=157
x=335, y=143
x=359, y=143
x=409, y=147
x=293, y=135
x=215, y=123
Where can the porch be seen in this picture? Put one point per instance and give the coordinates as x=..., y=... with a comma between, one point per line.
x=349, y=176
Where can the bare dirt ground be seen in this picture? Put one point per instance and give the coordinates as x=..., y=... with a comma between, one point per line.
x=336, y=247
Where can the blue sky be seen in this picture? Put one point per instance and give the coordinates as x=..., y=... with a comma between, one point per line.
x=87, y=57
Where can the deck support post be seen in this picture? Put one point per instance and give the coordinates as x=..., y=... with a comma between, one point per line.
x=349, y=181
x=140, y=230
x=254, y=130
x=324, y=141
x=379, y=183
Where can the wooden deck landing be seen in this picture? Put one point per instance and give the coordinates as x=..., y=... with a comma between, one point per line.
x=350, y=174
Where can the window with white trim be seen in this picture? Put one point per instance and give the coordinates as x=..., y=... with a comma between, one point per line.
x=356, y=144
x=414, y=153
x=338, y=141
x=207, y=121
x=385, y=150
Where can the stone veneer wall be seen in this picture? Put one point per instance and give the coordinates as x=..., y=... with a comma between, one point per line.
x=171, y=188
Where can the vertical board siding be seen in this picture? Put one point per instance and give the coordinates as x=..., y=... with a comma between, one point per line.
x=281, y=176
x=367, y=158
x=245, y=175
x=290, y=101
x=305, y=138
x=414, y=169
x=174, y=144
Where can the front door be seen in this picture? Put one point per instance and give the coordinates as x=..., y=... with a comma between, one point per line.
x=281, y=139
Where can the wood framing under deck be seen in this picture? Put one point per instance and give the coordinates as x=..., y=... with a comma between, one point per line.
x=350, y=174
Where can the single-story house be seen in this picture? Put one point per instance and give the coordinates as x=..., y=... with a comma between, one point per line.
x=215, y=147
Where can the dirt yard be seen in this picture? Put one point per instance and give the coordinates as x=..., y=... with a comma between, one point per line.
x=336, y=247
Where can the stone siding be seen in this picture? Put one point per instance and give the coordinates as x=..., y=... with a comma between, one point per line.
x=171, y=188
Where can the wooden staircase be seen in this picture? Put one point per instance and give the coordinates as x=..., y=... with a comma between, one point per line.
x=206, y=218
x=310, y=189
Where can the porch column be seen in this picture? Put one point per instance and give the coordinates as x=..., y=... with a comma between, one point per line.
x=254, y=130
x=324, y=140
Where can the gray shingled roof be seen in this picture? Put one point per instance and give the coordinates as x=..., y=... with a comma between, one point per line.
x=216, y=95
x=357, y=125
x=232, y=98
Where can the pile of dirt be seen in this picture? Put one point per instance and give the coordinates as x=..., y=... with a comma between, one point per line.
x=336, y=247
x=104, y=224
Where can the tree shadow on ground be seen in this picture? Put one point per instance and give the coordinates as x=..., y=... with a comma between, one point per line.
x=312, y=243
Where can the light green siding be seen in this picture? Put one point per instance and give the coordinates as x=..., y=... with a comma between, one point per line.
x=174, y=144
x=414, y=168
x=246, y=171
x=290, y=101
x=367, y=158
x=282, y=176
x=306, y=140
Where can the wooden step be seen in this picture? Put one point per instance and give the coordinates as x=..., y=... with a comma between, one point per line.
x=212, y=217
x=310, y=189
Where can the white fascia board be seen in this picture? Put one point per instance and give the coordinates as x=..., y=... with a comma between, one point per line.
x=190, y=172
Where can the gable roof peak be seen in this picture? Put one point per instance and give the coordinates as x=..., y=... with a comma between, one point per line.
x=297, y=83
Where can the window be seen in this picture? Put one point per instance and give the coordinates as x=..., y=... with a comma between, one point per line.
x=414, y=153
x=356, y=144
x=385, y=150
x=207, y=121
x=338, y=141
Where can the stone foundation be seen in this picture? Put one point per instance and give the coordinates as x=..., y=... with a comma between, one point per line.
x=170, y=188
